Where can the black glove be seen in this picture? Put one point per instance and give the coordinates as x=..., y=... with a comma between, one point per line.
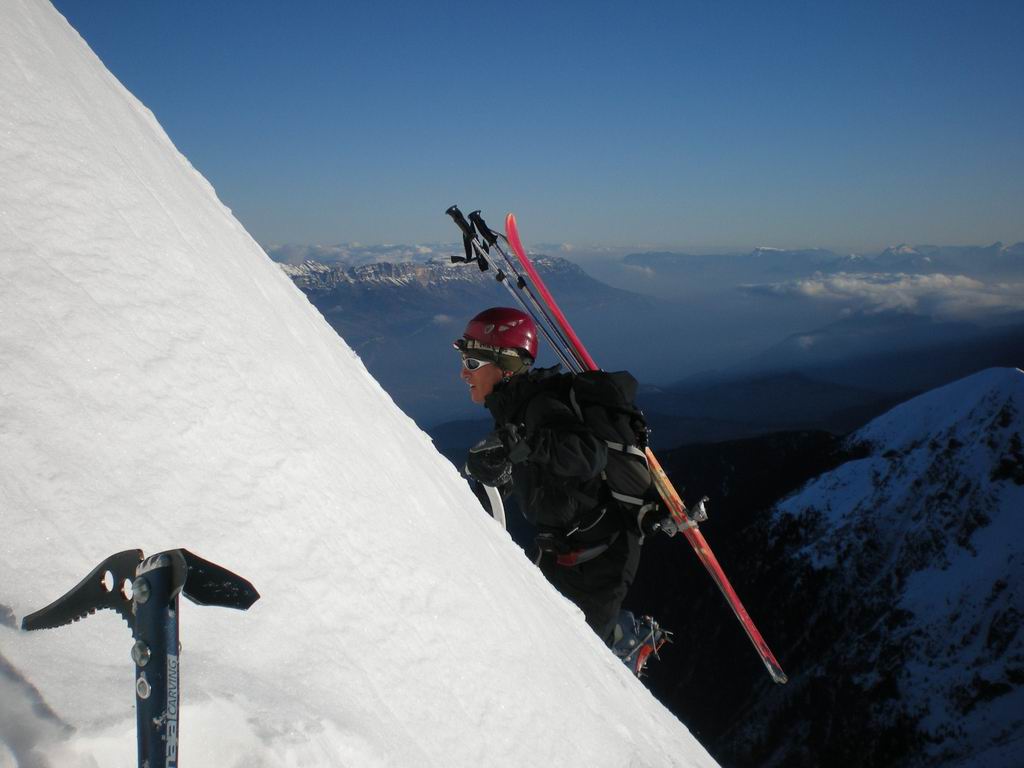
x=488, y=462
x=518, y=449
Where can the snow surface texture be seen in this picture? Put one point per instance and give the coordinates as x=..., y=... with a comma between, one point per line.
x=163, y=384
x=931, y=524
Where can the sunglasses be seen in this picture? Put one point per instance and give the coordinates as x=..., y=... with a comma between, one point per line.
x=473, y=363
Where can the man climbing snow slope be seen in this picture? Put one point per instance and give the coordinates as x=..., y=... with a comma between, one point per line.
x=544, y=451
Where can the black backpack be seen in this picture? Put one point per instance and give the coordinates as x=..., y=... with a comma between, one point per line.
x=605, y=402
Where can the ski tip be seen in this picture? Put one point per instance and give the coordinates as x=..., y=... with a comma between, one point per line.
x=512, y=235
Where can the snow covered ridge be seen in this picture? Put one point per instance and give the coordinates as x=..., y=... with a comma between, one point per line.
x=163, y=384
x=911, y=564
x=314, y=275
x=356, y=254
x=966, y=410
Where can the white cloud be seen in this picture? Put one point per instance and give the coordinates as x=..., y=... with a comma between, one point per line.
x=940, y=295
x=643, y=270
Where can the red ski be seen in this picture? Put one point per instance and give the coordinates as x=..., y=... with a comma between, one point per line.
x=512, y=234
x=668, y=493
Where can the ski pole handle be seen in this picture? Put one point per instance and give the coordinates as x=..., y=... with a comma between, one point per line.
x=460, y=220
x=467, y=236
x=474, y=251
x=485, y=232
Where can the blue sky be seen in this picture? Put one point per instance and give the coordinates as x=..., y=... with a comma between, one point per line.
x=690, y=125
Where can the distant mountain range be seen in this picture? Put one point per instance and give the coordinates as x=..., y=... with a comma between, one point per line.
x=887, y=573
x=402, y=318
x=435, y=275
x=917, y=259
x=902, y=257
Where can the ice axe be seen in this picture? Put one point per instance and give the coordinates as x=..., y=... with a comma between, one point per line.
x=145, y=591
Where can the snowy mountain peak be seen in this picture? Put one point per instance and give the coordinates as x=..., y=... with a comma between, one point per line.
x=973, y=403
x=314, y=275
x=910, y=559
x=902, y=250
x=317, y=276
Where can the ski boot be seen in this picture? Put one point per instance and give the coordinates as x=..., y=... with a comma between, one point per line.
x=635, y=640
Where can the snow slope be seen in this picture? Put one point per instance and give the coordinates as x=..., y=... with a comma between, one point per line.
x=163, y=384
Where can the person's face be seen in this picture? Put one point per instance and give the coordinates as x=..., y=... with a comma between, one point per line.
x=481, y=381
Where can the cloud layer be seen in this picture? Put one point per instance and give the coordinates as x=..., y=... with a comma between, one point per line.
x=939, y=295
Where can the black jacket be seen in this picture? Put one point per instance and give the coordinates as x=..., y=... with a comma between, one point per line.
x=556, y=474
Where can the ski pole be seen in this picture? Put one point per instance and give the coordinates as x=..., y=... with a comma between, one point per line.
x=486, y=237
x=490, y=238
x=474, y=247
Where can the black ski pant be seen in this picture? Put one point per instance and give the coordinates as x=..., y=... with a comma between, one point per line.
x=600, y=585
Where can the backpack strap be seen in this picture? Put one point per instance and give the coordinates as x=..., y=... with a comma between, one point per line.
x=641, y=506
x=575, y=404
x=632, y=450
x=620, y=447
x=633, y=501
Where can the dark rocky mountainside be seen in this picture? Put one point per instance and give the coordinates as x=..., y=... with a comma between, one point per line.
x=890, y=586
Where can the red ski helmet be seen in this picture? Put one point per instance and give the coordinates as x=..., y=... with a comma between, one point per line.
x=501, y=331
